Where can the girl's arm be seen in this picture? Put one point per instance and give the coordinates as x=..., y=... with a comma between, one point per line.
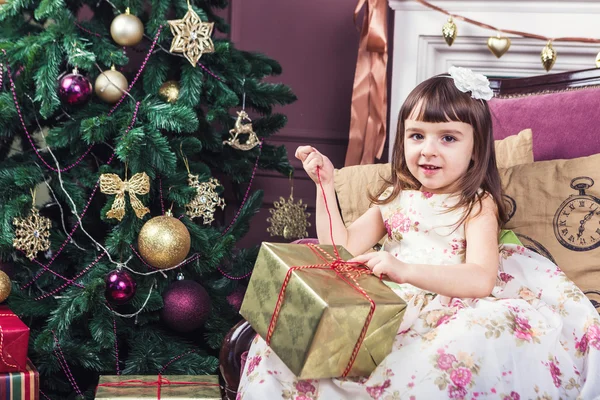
x=359, y=237
x=364, y=233
x=473, y=279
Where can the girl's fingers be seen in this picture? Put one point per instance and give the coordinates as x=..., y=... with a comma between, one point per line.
x=363, y=257
x=303, y=151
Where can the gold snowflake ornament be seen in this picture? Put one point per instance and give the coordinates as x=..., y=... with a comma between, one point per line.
x=191, y=36
x=206, y=201
x=31, y=233
x=289, y=219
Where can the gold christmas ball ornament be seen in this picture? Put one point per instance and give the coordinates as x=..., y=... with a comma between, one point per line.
x=111, y=85
x=169, y=91
x=127, y=29
x=548, y=56
x=5, y=284
x=498, y=45
x=164, y=242
x=449, y=31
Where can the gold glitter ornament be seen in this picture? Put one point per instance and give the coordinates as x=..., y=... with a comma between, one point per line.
x=242, y=129
x=548, y=56
x=164, y=241
x=169, y=91
x=5, y=286
x=127, y=29
x=191, y=36
x=111, y=85
x=289, y=219
x=31, y=233
x=206, y=201
x=449, y=31
x=139, y=184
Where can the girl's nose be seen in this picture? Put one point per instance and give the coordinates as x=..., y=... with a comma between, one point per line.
x=429, y=148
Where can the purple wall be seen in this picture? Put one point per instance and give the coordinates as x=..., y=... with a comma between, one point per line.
x=315, y=42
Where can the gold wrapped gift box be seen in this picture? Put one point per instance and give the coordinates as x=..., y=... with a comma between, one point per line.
x=173, y=387
x=322, y=316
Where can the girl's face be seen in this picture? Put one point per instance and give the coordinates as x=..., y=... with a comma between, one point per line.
x=438, y=153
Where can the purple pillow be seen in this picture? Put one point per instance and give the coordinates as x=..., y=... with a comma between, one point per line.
x=565, y=124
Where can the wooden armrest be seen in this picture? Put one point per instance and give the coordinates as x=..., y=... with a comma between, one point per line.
x=237, y=341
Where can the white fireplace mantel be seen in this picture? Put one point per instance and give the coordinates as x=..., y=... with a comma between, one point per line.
x=419, y=51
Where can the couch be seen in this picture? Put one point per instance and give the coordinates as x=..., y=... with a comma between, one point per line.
x=563, y=112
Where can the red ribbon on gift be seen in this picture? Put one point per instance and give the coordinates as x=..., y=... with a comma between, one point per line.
x=347, y=271
x=159, y=383
x=2, y=343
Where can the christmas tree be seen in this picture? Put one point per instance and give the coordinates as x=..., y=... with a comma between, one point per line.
x=121, y=123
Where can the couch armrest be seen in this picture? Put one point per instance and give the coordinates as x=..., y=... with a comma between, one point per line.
x=236, y=343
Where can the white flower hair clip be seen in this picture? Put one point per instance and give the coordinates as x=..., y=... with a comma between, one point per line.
x=466, y=80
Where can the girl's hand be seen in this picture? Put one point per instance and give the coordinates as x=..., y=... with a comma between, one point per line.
x=311, y=159
x=384, y=264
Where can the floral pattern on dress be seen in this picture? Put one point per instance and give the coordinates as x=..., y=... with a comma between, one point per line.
x=461, y=348
x=399, y=224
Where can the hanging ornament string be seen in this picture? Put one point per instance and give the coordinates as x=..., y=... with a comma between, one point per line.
x=139, y=73
x=118, y=369
x=197, y=255
x=246, y=195
x=185, y=353
x=29, y=137
x=513, y=32
x=87, y=30
x=72, y=280
x=79, y=217
x=63, y=364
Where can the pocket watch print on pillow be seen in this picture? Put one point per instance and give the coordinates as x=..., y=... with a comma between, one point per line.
x=577, y=220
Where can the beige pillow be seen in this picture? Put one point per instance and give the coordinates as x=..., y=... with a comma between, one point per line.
x=352, y=184
x=555, y=210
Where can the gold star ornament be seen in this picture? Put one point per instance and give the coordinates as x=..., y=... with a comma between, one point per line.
x=191, y=36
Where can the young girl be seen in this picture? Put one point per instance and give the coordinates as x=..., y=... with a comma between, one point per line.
x=481, y=322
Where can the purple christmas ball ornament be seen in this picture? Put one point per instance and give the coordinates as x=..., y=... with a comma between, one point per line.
x=74, y=89
x=186, y=306
x=120, y=287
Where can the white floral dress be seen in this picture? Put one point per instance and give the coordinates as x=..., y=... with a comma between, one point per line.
x=536, y=337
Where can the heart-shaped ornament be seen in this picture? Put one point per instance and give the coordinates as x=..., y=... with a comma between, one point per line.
x=498, y=45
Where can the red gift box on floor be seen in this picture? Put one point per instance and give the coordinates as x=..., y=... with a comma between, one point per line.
x=20, y=385
x=14, y=340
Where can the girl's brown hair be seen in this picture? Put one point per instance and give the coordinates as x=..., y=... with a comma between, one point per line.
x=438, y=100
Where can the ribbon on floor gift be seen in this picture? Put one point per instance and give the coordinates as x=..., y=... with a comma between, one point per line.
x=349, y=272
x=368, y=118
x=2, y=343
x=159, y=383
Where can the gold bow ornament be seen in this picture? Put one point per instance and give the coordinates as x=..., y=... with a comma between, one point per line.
x=139, y=184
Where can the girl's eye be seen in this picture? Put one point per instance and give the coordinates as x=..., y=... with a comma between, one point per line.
x=416, y=136
x=449, y=139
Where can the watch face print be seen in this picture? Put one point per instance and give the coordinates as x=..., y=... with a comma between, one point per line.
x=510, y=205
x=577, y=220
